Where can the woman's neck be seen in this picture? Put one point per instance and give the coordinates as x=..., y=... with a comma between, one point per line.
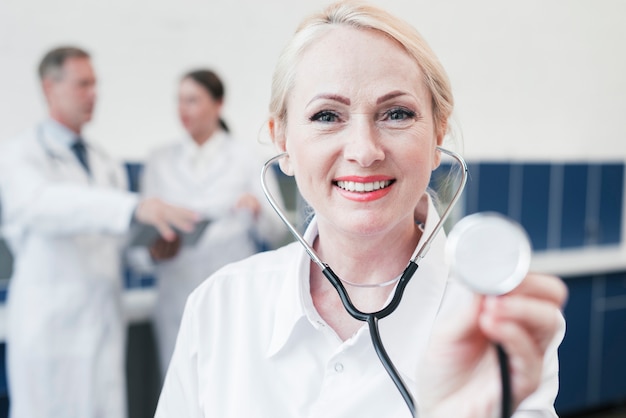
x=368, y=260
x=201, y=138
x=362, y=264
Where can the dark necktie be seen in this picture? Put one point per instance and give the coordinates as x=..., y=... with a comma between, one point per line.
x=79, y=149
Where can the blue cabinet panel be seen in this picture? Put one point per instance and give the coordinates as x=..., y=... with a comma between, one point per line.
x=470, y=194
x=4, y=388
x=494, y=187
x=574, y=351
x=613, y=377
x=610, y=209
x=613, y=366
x=615, y=289
x=574, y=204
x=535, y=203
x=137, y=280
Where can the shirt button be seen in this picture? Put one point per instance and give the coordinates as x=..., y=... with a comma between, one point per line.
x=338, y=367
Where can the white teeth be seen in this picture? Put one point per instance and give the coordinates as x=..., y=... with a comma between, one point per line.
x=352, y=186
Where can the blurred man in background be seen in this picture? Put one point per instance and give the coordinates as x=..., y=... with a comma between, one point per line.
x=66, y=210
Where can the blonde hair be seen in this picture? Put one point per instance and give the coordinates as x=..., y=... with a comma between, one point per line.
x=362, y=16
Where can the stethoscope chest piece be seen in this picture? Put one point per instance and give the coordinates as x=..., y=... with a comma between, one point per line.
x=489, y=253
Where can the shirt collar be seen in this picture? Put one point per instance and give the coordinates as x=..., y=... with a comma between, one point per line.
x=293, y=302
x=59, y=132
x=207, y=150
x=425, y=289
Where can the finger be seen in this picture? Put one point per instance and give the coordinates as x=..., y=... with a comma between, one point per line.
x=182, y=219
x=540, y=318
x=256, y=208
x=543, y=286
x=165, y=231
x=250, y=202
x=525, y=362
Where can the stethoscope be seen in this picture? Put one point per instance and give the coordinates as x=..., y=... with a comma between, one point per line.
x=456, y=247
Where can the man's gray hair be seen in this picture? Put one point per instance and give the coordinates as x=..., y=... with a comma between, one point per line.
x=52, y=63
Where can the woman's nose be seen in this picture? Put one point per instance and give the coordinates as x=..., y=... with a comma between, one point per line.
x=363, y=144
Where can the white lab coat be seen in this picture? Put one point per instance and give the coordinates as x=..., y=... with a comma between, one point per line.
x=252, y=344
x=65, y=330
x=213, y=189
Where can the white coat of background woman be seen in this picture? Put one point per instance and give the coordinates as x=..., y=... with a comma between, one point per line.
x=217, y=176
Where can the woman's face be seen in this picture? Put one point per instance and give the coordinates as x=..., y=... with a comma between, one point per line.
x=359, y=132
x=198, y=111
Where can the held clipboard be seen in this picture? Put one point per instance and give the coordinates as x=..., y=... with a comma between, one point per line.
x=144, y=235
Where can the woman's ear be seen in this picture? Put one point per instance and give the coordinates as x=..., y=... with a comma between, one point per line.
x=277, y=137
x=277, y=134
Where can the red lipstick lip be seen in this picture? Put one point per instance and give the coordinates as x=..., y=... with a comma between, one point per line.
x=365, y=196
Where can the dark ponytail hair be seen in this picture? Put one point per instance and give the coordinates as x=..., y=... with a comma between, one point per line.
x=212, y=84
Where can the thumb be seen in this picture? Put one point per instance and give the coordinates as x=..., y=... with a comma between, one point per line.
x=460, y=323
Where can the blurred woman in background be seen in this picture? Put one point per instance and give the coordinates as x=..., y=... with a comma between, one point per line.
x=218, y=177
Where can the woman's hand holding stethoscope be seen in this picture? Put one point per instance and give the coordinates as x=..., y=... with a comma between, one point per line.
x=506, y=332
x=459, y=374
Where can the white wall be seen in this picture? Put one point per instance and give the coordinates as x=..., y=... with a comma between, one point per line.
x=534, y=79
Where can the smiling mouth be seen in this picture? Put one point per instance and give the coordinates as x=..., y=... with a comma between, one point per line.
x=352, y=186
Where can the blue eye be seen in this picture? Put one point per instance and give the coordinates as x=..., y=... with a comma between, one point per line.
x=324, y=116
x=400, y=114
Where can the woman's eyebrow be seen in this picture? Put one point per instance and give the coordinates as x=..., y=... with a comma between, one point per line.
x=389, y=96
x=330, y=96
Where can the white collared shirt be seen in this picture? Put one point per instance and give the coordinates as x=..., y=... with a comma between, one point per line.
x=251, y=344
x=201, y=156
x=59, y=132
